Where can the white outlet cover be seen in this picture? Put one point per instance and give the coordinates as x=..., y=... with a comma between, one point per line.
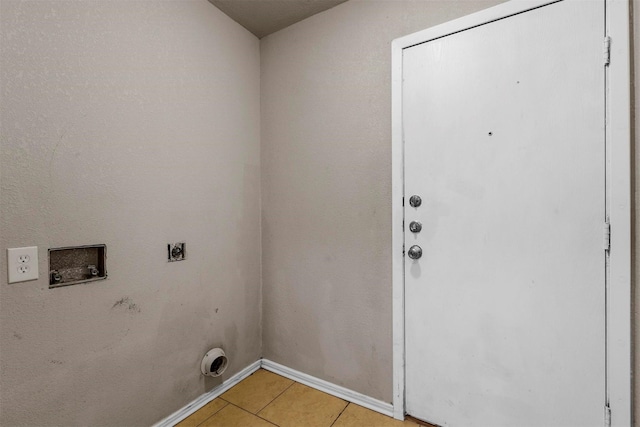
x=22, y=264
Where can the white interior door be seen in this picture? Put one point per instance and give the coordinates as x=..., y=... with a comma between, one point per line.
x=505, y=144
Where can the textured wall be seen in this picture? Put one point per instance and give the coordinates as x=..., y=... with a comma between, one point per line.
x=636, y=215
x=114, y=115
x=326, y=167
x=135, y=124
x=326, y=187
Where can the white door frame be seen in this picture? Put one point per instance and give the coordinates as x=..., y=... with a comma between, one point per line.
x=618, y=134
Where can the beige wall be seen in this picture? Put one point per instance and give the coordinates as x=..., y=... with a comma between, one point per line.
x=326, y=166
x=326, y=185
x=135, y=124
x=115, y=116
x=636, y=215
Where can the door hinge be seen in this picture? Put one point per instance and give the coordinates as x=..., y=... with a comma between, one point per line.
x=607, y=416
x=606, y=236
x=607, y=50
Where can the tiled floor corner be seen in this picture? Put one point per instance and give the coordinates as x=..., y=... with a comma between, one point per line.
x=267, y=399
x=257, y=391
x=302, y=405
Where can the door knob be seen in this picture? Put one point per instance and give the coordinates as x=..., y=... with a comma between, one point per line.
x=415, y=201
x=415, y=227
x=415, y=252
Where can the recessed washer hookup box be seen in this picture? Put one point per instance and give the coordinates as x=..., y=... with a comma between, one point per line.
x=77, y=264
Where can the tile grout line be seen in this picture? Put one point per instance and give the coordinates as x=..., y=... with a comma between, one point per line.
x=255, y=415
x=272, y=400
x=239, y=407
x=293, y=382
x=224, y=406
x=340, y=414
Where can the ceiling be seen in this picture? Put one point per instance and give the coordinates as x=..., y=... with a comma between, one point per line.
x=263, y=17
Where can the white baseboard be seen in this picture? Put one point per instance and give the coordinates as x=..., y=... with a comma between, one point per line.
x=329, y=388
x=199, y=402
x=308, y=380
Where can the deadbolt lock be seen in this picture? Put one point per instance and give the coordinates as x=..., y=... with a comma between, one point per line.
x=415, y=227
x=415, y=252
x=415, y=201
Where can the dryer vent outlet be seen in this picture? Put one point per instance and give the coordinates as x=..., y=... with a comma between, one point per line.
x=214, y=363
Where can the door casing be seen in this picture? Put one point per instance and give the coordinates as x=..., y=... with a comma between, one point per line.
x=618, y=187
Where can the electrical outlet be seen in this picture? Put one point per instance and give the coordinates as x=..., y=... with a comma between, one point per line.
x=22, y=264
x=177, y=251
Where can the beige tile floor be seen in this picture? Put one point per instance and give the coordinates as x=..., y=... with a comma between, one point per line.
x=267, y=399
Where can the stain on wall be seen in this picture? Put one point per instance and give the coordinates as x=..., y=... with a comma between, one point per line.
x=133, y=124
x=127, y=304
x=115, y=116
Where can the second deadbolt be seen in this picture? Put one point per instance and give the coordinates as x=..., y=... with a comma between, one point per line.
x=415, y=201
x=415, y=226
